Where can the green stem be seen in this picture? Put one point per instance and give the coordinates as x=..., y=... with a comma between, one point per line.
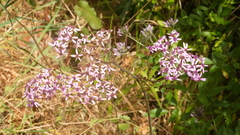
x=136, y=41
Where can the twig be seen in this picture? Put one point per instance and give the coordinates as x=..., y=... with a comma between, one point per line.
x=148, y=108
x=134, y=76
x=144, y=92
x=137, y=12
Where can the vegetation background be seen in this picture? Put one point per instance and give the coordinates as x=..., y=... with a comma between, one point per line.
x=210, y=27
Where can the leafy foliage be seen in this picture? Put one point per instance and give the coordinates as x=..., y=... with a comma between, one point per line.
x=84, y=10
x=211, y=29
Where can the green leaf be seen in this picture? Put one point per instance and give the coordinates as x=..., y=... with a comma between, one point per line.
x=3, y=107
x=59, y=118
x=32, y=3
x=188, y=109
x=88, y=13
x=205, y=33
x=154, y=92
x=237, y=129
x=180, y=87
x=214, y=69
x=183, y=14
x=125, y=117
x=144, y=73
x=235, y=53
x=123, y=126
x=160, y=22
x=169, y=3
x=221, y=56
x=219, y=119
x=153, y=71
x=203, y=99
x=216, y=90
x=205, y=2
x=154, y=1
x=225, y=131
x=210, y=38
x=174, y=115
x=222, y=103
x=213, y=4
x=195, y=16
x=157, y=112
x=85, y=31
x=94, y=121
x=8, y=90
x=236, y=65
x=208, y=61
x=220, y=9
x=8, y=3
x=203, y=8
x=128, y=88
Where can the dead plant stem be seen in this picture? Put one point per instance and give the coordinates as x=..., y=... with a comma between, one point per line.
x=144, y=92
x=34, y=39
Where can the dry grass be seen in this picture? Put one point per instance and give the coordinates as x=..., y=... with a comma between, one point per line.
x=20, y=61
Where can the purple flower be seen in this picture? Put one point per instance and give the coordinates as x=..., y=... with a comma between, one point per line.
x=121, y=49
x=77, y=56
x=46, y=86
x=85, y=39
x=161, y=45
x=170, y=22
x=122, y=31
x=89, y=86
x=64, y=37
x=147, y=31
x=177, y=61
x=198, y=113
x=173, y=37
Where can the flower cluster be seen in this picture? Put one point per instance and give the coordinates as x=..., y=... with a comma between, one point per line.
x=176, y=61
x=86, y=87
x=170, y=22
x=85, y=45
x=121, y=47
x=123, y=31
x=147, y=32
x=198, y=113
x=65, y=36
x=89, y=85
x=163, y=42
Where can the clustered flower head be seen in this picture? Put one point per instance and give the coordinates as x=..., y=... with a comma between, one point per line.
x=89, y=85
x=170, y=23
x=165, y=42
x=123, y=31
x=121, y=47
x=65, y=36
x=198, y=113
x=147, y=32
x=176, y=61
x=83, y=45
x=86, y=87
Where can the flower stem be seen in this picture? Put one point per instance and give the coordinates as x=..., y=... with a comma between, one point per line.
x=144, y=92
